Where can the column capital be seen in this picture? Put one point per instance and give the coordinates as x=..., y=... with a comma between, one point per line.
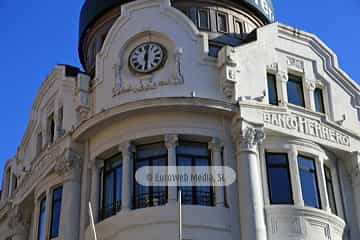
x=126, y=148
x=247, y=134
x=215, y=145
x=68, y=164
x=282, y=76
x=171, y=140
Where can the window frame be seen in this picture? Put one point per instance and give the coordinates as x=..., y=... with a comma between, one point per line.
x=116, y=204
x=150, y=159
x=322, y=103
x=53, y=201
x=226, y=17
x=42, y=210
x=298, y=80
x=329, y=181
x=238, y=22
x=315, y=177
x=276, y=89
x=199, y=10
x=194, y=191
x=287, y=166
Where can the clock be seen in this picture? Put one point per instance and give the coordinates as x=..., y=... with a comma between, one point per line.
x=147, y=58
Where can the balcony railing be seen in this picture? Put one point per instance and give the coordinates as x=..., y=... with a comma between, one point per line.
x=150, y=199
x=203, y=198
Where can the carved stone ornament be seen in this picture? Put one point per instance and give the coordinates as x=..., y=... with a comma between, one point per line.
x=274, y=67
x=171, y=141
x=248, y=135
x=296, y=63
x=310, y=85
x=68, y=161
x=19, y=218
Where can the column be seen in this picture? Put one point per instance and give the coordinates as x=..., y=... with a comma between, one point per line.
x=322, y=184
x=96, y=166
x=282, y=79
x=252, y=220
x=171, y=141
x=126, y=150
x=68, y=167
x=295, y=177
x=216, y=146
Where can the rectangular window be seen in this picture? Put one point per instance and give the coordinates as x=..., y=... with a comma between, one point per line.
x=239, y=27
x=222, y=23
x=42, y=220
x=55, y=212
x=319, y=100
x=204, y=19
x=272, y=89
x=39, y=143
x=51, y=128
x=112, y=185
x=330, y=189
x=309, y=183
x=295, y=91
x=150, y=155
x=279, y=178
x=195, y=154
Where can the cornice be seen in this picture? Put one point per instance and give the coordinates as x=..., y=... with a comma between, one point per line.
x=331, y=64
x=156, y=103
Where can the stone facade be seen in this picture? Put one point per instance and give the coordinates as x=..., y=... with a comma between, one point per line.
x=79, y=121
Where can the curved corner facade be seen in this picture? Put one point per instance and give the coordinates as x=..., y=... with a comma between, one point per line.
x=275, y=107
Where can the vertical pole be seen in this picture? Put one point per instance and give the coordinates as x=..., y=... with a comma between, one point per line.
x=92, y=222
x=180, y=216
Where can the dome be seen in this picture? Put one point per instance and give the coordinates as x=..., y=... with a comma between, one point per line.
x=93, y=9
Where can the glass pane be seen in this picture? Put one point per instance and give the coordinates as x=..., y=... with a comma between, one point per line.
x=319, y=101
x=193, y=149
x=204, y=19
x=273, y=98
x=330, y=190
x=109, y=190
x=55, y=213
x=118, y=173
x=309, y=183
x=42, y=216
x=295, y=91
x=279, y=179
x=222, y=23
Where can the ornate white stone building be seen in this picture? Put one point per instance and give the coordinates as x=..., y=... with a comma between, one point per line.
x=190, y=82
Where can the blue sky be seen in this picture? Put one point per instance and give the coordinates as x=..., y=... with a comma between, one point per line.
x=36, y=35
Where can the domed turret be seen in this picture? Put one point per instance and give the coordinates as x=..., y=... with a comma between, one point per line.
x=226, y=21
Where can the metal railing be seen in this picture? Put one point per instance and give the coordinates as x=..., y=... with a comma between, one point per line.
x=152, y=199
x=194, y=197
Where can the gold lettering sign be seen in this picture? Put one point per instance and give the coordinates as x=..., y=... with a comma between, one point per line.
x=307, y=126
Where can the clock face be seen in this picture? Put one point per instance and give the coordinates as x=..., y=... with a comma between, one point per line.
x=147, y=58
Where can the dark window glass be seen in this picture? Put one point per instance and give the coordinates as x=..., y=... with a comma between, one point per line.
x=222, y=22
x=319, y=100
x=204, y=19
x=195, y=154
x=42, y=220
x=55, y=212
x=149, y=196
x=239, y=26
x=279, y=178
x=51, y=128
x=214, y=50
x=39, y=143
x=330, y=189
x=295, y=91
x=309, y=184
x=112, y=180
x=272, y=90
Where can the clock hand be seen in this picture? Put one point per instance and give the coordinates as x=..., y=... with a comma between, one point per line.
x=146, y=56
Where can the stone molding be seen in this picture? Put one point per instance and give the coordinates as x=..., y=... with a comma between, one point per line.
x=228, y=71
x=216, y=145
x=248, y=135
x=126, y=149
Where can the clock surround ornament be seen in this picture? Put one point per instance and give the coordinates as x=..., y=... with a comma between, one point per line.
x=147, y=58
